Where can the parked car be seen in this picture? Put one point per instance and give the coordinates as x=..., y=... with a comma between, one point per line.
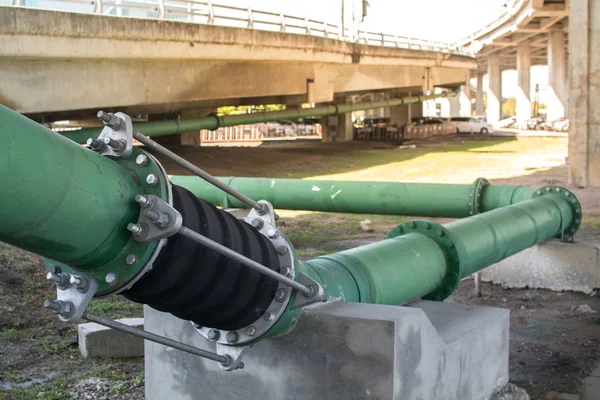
x=470, y=125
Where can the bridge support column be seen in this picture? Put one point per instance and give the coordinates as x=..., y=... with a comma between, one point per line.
x=494, y=92
x=584, y=93
x=557, y=75
x=479, y=110
x=337, y=128
x=400, y=116
x=523, y=82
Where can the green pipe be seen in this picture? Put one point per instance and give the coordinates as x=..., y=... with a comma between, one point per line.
x=172, y=127
x=389, y=198
x=66, y=202
x=423, y=259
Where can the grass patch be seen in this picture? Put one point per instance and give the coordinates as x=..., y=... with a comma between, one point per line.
x=115, y=307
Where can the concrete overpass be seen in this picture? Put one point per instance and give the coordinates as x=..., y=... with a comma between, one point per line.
x=68, y=65
x=565, y=36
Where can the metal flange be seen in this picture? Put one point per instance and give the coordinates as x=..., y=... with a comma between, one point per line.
x=135, y=258
x=442, y=237
x=567, y=232
x=474, y=203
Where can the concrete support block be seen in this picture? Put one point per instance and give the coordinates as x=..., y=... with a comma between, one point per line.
x=494, y=93
x=550, y=265
x=426, y=350
x=523, y=82
x=99, y=341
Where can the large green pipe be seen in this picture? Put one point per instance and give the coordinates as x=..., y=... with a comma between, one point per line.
x=172, y=127
x=390, y=198
x=61, y=200
x=66, y=202
x=423, y=259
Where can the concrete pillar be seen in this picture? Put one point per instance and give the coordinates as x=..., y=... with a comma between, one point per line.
x=479, y=95
x=337, y=128
x=400, y=115
x=453, y=106
x=584, y=93
x=494, y=92
x=464, y=98
x=557, y=75
x=523, y=82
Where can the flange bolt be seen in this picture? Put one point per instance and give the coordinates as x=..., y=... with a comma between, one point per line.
x=136, y=229
x=257, y=223
x=111, y=278
x=110, y=120
x=232, y=337
x=151, y=179
x=64, y=308
x=95, y=144
x=141, y=160
x=143, y=201
x=61, y=279
x=213, y=335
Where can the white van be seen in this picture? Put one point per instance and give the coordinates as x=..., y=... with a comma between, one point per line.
x=470, y=125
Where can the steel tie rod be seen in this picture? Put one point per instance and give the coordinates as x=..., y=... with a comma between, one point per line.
x=227, y=252
x=224, y=360
x=197, y=171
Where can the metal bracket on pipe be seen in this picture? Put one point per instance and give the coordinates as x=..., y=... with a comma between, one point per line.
x=116, y=139
x=73, y=294
x=235, y=355
x=317, y=292
x=157, y=219
x=266, y=213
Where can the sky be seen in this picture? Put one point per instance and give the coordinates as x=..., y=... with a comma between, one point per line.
x=439, y=20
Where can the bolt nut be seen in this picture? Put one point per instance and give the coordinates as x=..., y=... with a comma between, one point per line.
x=257, y=223
x=111, y=278
x=62, y=280
x=282, y=250
x=110, y=120
x=62, y=308
x=142, y=200
x=272, y=233
x=130, y=259
x=250, y=331
x=213, y=335
x=136, y=229
x=152, y=179
x=142, y=160
x=268, y=316
x=232, y=337
x=280, y=295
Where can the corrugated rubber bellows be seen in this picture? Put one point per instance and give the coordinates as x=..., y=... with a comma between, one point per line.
x=195, y=283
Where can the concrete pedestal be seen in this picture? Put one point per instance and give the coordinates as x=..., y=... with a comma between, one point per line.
x=425, y=350
x=550, y=265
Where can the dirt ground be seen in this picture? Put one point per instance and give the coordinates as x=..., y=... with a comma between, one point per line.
x=552, y=348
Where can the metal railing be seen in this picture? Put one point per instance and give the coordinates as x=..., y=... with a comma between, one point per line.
x=207, y=12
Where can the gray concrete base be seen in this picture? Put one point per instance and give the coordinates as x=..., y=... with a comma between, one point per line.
x=99, y=341
x=550, y=265
x=426, y=350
